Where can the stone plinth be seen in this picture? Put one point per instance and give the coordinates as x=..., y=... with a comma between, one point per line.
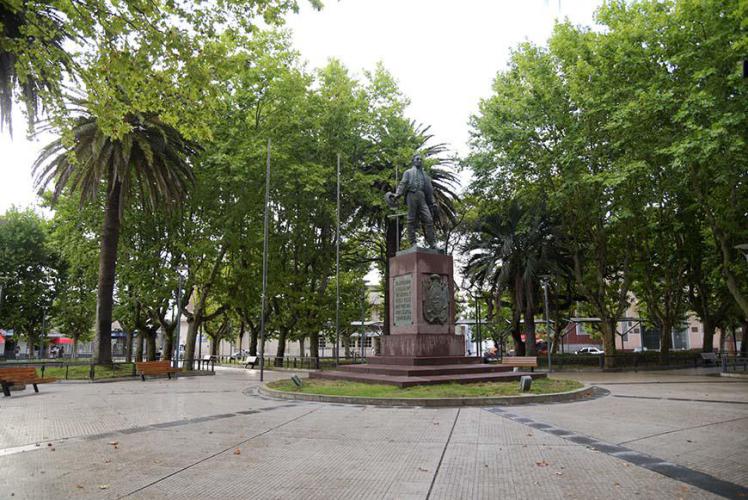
x=422, y=347
x=412, y=273
x=422, y=309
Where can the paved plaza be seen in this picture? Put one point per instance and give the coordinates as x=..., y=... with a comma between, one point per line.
x=654, y=435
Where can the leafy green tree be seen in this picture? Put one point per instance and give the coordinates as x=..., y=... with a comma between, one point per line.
x=31, y=270
x=125, y=48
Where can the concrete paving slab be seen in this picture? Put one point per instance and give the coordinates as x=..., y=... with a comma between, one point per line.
x=214, y=437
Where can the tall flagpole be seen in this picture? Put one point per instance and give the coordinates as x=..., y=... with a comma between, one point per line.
x=337, y=272
x=264, y=269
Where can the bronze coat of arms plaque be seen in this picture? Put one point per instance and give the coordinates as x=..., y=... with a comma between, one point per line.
x=436, y=299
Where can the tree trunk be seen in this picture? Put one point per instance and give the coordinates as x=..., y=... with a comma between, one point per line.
x=128, y=347
x=314, y=345
x=150, y=350
x=708, y=344
x=168, y=344
x=241, y=335
x=743, y=343
x=530, y=347
x=608, y=330
x=139, y=348
x=281, y=351
x=193, y=324
x=214, y=343
x=74, y=354
x=519, y=344
x=301, y=346
x=666, y=340
x=253, y=341
x=102, y=348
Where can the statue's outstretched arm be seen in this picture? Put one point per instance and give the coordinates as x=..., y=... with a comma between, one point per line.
x=403, y=185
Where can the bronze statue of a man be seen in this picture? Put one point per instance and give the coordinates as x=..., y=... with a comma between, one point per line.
x=419, y=195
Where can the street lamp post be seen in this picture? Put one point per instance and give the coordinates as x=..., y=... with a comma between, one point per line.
x=549, y=343
x=362, y=339
x=44, y=333
x=478, y=336
x=175, y=348
x=263, y=298
x=337, y=270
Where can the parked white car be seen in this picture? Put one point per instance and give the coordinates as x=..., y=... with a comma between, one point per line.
x=590, y=350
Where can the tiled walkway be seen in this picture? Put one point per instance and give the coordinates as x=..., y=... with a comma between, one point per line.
x=214, y=437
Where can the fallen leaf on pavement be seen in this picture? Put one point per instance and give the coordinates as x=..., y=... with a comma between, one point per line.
x=542, y=463
x=114, y=443
x=79, y=486
x=422, y=469
x=103, y=486
x=237, y=451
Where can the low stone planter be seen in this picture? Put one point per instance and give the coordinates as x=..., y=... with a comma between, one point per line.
x=577, y=394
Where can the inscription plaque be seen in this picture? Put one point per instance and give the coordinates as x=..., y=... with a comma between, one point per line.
x=403, y=305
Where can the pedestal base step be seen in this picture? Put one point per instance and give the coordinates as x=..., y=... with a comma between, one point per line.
x=424, y=370
x=404, y=381
x=423, y=360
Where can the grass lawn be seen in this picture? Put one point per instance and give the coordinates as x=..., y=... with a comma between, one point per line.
x=81, y=372
x=482, y=389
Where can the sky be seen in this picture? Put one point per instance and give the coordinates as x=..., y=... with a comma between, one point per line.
x=443, y=53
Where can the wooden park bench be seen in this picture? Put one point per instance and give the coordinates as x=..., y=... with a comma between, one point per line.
x=530, y=362
x=144, y=368
x=21, y=375
x=709, y=358
x=250, y=360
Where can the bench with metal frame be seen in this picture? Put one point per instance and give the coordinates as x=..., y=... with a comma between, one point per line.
x=21, y=375
x=149, y=368
x=250, y=360
x=709, y=358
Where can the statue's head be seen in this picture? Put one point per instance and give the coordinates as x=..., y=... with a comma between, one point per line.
x=417, y=161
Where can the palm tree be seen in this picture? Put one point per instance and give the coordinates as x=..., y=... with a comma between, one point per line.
x=380, y=165
x=511, y=251
x=47, y=60
x=151, y=161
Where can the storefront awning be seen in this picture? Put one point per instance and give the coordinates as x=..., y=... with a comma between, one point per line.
x=61, y=340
